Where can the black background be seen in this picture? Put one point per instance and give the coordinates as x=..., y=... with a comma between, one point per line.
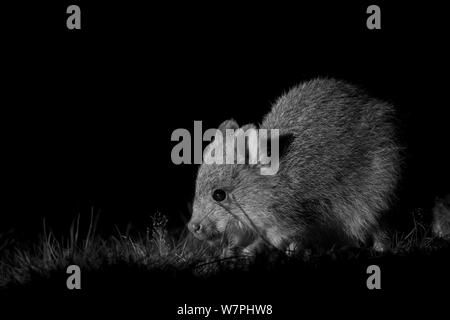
x=86, y=118
x=87, y=115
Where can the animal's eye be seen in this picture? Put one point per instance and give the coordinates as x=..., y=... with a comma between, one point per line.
x=219, y=195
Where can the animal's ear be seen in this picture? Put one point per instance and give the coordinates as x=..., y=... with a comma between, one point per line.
x=214, y=151
x=246, y=144
x=228, y=124
x=248, y=126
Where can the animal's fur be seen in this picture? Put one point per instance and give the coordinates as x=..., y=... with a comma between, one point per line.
x=441, y=217
x=339, y=164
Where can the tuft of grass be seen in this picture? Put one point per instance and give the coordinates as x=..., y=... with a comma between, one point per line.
x=156, y=249
x=420, y=236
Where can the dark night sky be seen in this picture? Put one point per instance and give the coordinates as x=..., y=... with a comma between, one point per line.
x=87, y=115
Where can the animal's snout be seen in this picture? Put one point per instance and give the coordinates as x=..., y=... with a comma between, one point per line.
x=195, y=227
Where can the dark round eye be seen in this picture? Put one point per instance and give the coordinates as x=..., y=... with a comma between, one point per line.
x=219, y=195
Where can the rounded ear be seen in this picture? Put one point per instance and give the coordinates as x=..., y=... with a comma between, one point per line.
x=248, y=126
x=217, y=138
x=246, y=144
x=250, y=143
x=228, y=124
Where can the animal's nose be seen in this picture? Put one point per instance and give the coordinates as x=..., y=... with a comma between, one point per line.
x=195, y=227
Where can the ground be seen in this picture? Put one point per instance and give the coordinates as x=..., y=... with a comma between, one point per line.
x=173, y=271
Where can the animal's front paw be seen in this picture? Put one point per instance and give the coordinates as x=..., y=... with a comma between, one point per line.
x=380, y=246
x=381, y=242
x=229, y=252
x=253, y=249
x=248, y=252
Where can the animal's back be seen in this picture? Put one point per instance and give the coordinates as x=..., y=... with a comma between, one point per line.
x=343, y=155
